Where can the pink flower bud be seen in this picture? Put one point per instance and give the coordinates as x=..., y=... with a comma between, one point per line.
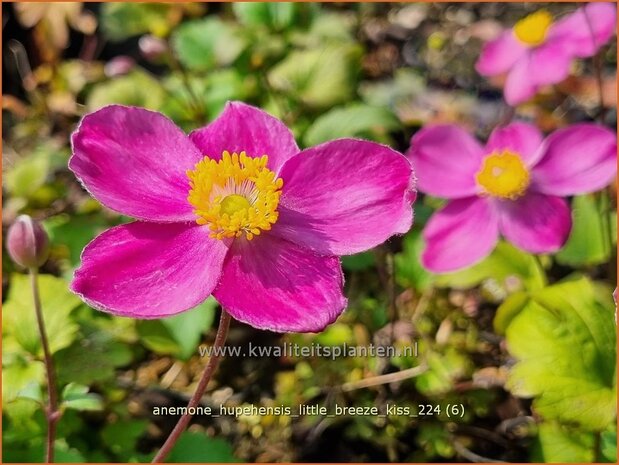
x=119, y=66
x=152, y=47
x=27, y=242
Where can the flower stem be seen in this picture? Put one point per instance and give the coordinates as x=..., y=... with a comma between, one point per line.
x=220, y=339
x=52, y=414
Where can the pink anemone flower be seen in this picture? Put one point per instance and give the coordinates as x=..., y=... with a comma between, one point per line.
x=538, y=52
x=513, y=186
x=235, y=210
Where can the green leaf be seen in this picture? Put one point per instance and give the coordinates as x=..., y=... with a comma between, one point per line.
x=508, y=310
x=73, y=232
x=121, y=437
x=22, y=380
x=506, y=261
x=18, y=316
x=319, y=77
x=93, y=357
x=588, y=243
x=443, y=370
x=608, y=446
x=193, y=447
x=336, y=334
x=206, y=43
x=77, y=397
x=565, y=344
x=557, y=443
x=121, y=20
x=35, y=453
x=209, y=94
x=178, y=335
x=355, y=120
x=408, y=269
x=27, y=175
x=134, y=89
x=188, y=327
x=276, y=16
x=358, y=262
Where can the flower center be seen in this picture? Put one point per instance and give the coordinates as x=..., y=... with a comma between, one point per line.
x=532, y=29
x=234, y=196
x=503, y=175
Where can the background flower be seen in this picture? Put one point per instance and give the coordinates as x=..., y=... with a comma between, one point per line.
x=538, y=51
x=513, y=186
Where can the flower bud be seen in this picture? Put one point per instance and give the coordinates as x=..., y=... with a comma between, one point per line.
x=27, y=242
x=152, y=47
x=119, y=66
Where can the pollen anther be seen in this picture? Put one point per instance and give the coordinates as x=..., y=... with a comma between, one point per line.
x=533, y=29
x=503, y=174
x=235, y=196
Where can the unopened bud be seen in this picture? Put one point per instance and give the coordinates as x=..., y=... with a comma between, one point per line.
x=152, y=47
x=119, y=66
x=27, y=242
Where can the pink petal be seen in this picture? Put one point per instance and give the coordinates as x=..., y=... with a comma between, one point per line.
x=520, y=84
x=345, y=196
x=544, y=65
x=241, y=127
x=500, y=54
x=578, y=159
x=461, y=234
x=550, y=63
x=587, y=29
x=446, y=158
x=134, y=161
x=273, y=284
x=149, y=270
x=536, y=223
x=522, y=138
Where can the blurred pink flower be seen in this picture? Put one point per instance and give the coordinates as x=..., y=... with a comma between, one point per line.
x=538, y=52
x=236, y=210
x=513, y=186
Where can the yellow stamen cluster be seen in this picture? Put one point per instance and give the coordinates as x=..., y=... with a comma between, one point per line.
x=504, y=175
x=533, y=29
x=234, y=196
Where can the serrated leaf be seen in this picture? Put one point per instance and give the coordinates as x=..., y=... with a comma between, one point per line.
x=565, y=344
x=355, y=120
x=18, y=316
